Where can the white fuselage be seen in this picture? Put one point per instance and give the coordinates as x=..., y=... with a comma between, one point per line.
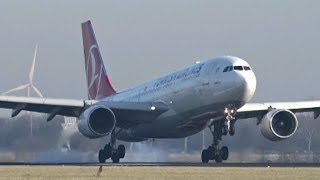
x=196, y=96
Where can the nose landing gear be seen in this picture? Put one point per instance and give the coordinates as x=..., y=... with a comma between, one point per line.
x=229, y=113
x=110, y=151
x=218, y=129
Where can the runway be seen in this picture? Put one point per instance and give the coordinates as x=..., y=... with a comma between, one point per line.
x=170, y=164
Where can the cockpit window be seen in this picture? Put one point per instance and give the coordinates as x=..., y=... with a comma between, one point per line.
x=238, y=68
x=226, y=69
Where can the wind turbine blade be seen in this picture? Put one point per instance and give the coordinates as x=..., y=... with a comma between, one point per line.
x=37, y=91
x=33, y=64
x=16, y=89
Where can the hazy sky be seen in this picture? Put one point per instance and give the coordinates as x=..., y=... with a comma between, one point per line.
x=143, y=39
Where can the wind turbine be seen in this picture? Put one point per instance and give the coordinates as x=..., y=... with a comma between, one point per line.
x=29, y=86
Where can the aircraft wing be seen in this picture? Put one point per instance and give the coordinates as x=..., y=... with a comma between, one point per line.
x=42, y=105
x=258, y=110
x=126, y=112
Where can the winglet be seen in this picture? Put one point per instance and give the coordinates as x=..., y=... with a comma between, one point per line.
x=99, y=84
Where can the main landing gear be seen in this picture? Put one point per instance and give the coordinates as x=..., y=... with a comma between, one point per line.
x=110, y=151
x=219, y=129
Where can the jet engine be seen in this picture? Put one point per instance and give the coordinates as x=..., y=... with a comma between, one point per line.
x=278, y=124
x=96, y=122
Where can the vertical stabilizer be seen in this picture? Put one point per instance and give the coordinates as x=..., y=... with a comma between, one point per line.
x=99, y=84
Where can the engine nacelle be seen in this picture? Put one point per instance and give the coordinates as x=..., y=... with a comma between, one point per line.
x=96, y=122
x=278, y=124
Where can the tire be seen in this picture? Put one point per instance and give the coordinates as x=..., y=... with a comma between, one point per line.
x=204, y=156
x=115, y=158
x=102, y=156
x=224, y=153
x=211, y=152
x=108, y=150
x=218, y=159
x=121, y=151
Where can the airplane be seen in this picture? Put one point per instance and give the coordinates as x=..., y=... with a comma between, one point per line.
x=213, y=94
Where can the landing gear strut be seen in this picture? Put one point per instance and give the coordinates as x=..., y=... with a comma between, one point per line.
x=110, y=151
x=219, y=129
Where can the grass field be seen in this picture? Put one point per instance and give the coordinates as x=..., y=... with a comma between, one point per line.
x=149, y=173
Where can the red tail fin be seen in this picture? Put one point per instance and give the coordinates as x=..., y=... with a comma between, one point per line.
x=99, y=85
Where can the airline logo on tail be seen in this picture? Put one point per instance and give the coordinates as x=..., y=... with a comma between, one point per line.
x=99, y=85
x=94, y=73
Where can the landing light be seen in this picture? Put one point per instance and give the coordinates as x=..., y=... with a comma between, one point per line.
x=153, y=108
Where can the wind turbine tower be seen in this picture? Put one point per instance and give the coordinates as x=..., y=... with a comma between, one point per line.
x=28, y=86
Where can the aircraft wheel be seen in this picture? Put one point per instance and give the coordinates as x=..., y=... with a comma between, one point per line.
x=205, y=156
x=211, y=152
x=121, y=151
x=108, y=150
x=224, y=153
x=102, y=156
x=115, y=158
x=218, y=159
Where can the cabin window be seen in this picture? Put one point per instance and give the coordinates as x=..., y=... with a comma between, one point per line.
x=238, y=68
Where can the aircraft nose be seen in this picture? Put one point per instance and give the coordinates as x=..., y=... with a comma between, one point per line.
x=247, y=84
